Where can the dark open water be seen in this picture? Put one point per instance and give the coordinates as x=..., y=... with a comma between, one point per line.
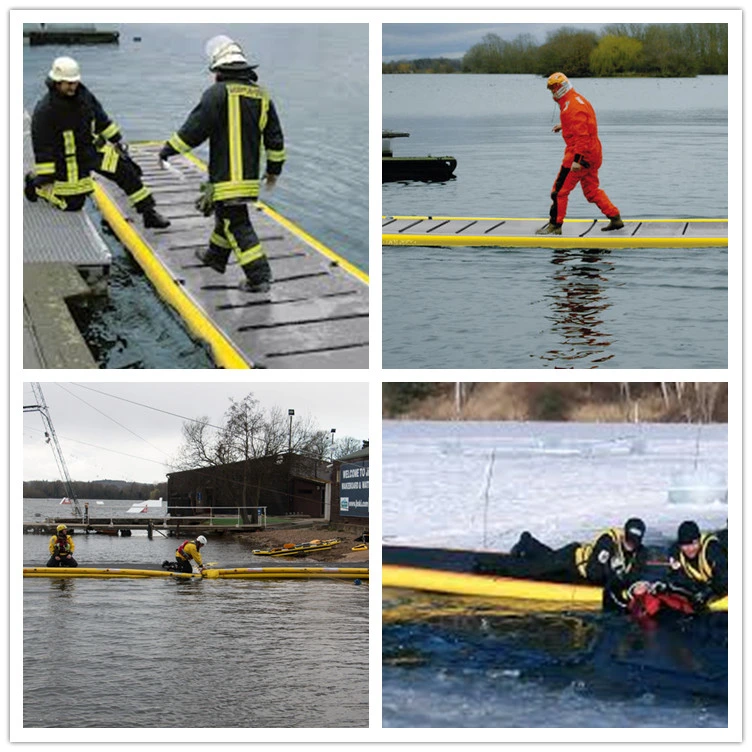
x=318, y=78
x=665, y=144
x=197, y=653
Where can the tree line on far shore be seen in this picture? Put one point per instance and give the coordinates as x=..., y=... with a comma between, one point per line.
x=658, y=50
x=662, y=401
x=118, y=490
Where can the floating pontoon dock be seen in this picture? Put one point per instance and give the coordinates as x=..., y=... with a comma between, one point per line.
x=64, y=258
x=576, y=233
x=316, y=314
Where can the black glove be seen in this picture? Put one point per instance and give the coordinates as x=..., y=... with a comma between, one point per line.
x=165, y=153
x=701, y=598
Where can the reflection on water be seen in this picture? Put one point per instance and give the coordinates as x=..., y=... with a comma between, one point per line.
x=579, y=301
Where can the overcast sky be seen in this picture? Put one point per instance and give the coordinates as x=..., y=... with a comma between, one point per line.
x=95, y=447
x=411, y=41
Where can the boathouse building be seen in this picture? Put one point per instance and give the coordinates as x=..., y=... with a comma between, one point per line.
x=285, y=484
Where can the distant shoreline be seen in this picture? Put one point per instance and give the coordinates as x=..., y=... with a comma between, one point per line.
x=604, y=402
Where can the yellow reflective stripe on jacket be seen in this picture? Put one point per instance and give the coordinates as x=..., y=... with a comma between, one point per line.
x=583, y=553
x=110, y=158
x=276, y=155
x=234, y=134
x=73, y=188
x=581, y=558
x=71, y=163
x=703, y=572
x=139, y=195
x=235, y=123
x=236, y=189
x=44, y=168
x=264, y=117
x=111, y=130
x=178, y=144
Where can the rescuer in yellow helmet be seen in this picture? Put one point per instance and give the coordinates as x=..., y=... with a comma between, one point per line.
x=61, y=548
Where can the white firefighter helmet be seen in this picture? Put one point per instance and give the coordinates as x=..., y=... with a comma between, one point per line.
x=201, y=540
x=222, y=52
x=65, y=69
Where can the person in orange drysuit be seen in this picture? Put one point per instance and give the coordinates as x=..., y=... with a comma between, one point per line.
x=582, y=157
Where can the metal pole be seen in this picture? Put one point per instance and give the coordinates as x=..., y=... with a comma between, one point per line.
x=289, y=438
x=331, y=452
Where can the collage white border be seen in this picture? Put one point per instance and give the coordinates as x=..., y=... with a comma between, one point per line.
x=422, y=12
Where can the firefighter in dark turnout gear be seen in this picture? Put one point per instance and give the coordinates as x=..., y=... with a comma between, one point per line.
x=72, y=136
x=61, y=549
x=238, y=118
x=615, y=560
x=698, y=564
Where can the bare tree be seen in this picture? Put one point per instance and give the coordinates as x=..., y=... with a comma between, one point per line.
x=345, y=446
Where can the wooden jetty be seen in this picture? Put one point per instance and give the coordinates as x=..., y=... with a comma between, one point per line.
x=316, y=314
x=166, y=526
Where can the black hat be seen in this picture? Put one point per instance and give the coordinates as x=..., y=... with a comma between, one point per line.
x=634, y=530
x=688, y=532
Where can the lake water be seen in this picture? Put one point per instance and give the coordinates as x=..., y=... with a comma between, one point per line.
x=191, y=653
x=665, y=144
x=562, y=482
x=318, y=77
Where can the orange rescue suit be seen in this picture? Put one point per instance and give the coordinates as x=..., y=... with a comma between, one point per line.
x=580, y=131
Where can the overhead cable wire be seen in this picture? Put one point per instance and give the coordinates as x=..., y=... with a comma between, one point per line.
x=149, y=407
x=109, y=417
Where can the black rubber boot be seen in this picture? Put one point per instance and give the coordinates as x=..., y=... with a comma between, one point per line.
x=212, y=261
x=154, y=220
x=247, y=286
x=258, y=276
x=30, y=190
x=614, y=223
x=549, y=229
x=520, y=548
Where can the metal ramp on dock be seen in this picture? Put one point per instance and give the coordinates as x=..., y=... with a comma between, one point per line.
x=316, y=314
x=576, y=233
x=54, y=236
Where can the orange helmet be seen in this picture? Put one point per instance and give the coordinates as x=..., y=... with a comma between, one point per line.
x=558, y=84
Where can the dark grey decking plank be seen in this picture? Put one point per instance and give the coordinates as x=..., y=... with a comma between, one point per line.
x=313, y=306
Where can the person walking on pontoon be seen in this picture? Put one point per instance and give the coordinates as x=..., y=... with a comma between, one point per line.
x=240, y=121
x=72, y=136
x=582, y=157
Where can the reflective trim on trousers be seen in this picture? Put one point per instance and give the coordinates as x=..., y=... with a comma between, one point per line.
x=44, y=168
x=139, y=195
